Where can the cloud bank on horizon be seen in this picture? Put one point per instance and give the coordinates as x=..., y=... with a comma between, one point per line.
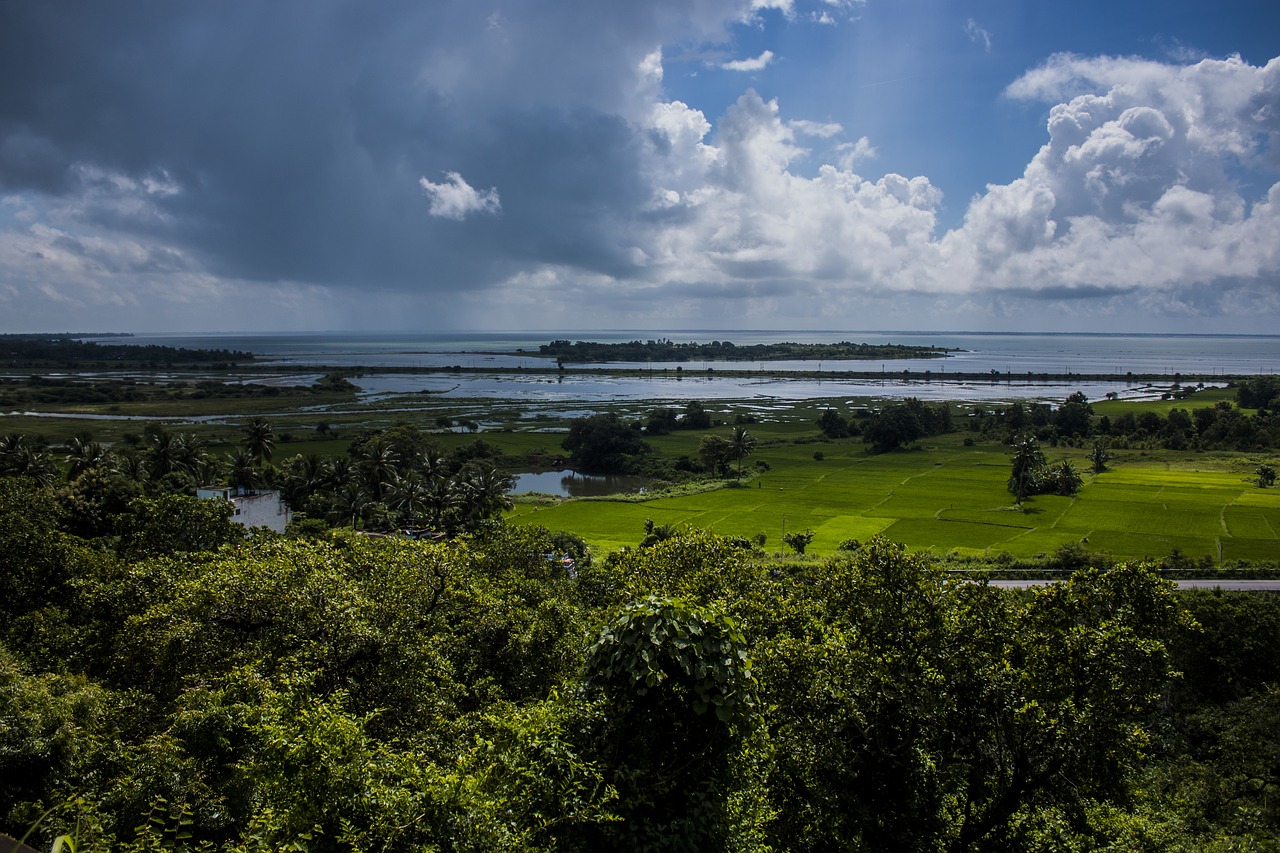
x=716, y=164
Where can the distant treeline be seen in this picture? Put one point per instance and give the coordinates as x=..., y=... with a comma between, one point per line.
x=1222, y=426
x=666, y=350
x=66, y=351
x=45, y=390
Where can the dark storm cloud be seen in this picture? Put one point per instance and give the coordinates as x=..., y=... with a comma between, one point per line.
x=293, y=135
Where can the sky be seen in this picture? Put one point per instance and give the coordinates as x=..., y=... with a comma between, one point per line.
x=401, y=165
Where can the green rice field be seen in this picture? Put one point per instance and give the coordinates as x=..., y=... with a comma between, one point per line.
x=947, y=497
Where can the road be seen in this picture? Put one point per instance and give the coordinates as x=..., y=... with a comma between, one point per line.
x=1190, y=583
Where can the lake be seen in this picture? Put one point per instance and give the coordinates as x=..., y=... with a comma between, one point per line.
x=571, y=484
x=507, y=353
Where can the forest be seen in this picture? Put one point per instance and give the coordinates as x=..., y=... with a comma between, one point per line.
x=416, y=665
x=174, y=682
x=666, y=350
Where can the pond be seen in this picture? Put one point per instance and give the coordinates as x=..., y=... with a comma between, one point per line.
x=572, y=484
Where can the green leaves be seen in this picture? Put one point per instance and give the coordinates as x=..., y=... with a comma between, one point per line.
x=666, y=643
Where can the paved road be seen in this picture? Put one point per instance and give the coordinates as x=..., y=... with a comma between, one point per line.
x=1194, y=583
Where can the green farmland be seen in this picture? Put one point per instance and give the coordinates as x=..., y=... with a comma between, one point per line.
x=945, y=496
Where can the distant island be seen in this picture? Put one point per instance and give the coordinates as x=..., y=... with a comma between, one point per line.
x=66, y=351
x=666, y=350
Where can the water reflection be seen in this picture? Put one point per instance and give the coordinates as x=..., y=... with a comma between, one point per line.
x=572, y=484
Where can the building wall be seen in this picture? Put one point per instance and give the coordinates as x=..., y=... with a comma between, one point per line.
x=266, y=509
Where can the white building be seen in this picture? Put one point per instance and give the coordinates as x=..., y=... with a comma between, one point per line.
x=254, y=508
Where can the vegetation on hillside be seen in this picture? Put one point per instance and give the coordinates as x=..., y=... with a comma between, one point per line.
x=340, y=692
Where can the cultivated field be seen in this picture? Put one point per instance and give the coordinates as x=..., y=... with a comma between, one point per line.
x=945, y=496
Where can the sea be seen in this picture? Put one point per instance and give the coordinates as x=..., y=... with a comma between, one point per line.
x=1011, y=359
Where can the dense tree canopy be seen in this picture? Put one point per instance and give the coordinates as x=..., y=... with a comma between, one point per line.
x=601, y=444
x=190, y=688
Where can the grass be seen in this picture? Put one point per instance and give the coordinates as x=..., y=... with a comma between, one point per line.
x=940, y=496
x=949, y=497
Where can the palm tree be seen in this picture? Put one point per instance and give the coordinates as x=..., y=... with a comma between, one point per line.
x=742, y=445
x=379, y=466
x=410, y=495
x=339, y=471
x=443, y=501
x=260, y=439
x=132, y=466
x=164, y=453
x=32, y=462
x=485, y=491
x=304, y=476
x=243, y=472
x=348, y=503
x=1066, y=478
x=83, y=454
x=11, y=444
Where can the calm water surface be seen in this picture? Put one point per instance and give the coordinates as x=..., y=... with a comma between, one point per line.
x=1010, y=355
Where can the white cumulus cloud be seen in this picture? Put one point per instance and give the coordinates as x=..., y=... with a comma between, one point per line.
x=457, y=199
x=758, y=63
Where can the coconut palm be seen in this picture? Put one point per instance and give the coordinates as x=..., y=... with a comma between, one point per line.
x=260, y=439
x=163, y=452
x=379, y=465
x=11, y=447
x=32, y=462
x=84, y=454
x=742, y=444
x=243, y=471
x=348, y=504
x=132, y=466
x=485, y=491
x=410, y=495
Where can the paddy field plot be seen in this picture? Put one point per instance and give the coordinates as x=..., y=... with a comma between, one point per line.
x=948, y=497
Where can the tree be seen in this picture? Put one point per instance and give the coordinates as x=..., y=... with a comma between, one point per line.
x=741, y=444
x=715, y=451
x=602, y=444
x=1098, y=457
x=1028, y=460
x=83, y=454
x=695, y=416
x=260, y=439
x=917, y=712
x=892, y=428
x=1066, y=479
x=661, y=422
x=242, y=470
x=485, y=492
x=176, y=524
x=1074, y=416
x=832, y=425
x=798, y=541
x=1266, y=476
x=678, y=700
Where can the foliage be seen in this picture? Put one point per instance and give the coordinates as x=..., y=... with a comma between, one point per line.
x=797, y=541
x=898, y=424
x=1258, y=392
x=665, y=350
x=188, y=690
x=678, y=699
x=601, y=444
x=1031, y=474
